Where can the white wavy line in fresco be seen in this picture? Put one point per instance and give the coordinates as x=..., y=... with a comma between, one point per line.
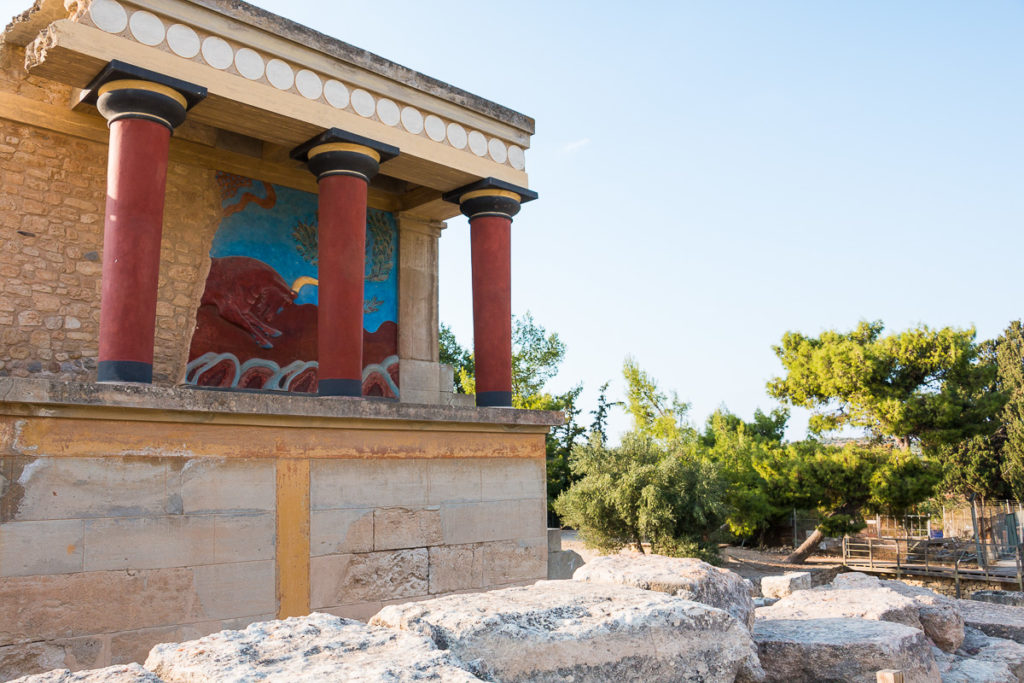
x=382, y=368
x=278, y=381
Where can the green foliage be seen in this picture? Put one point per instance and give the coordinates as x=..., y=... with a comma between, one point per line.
x=922, y=384
x=536, y=356
x=656, y=415
x=1009, y=358
x=454, y=354
x=644, y=490
x=600, y=424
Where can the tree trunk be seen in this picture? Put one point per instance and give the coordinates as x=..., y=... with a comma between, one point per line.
x=639, y=545
x=801, y=554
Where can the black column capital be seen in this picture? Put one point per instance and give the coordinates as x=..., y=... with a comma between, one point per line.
x=490, y=197
x=338, y=152
x=125, y=91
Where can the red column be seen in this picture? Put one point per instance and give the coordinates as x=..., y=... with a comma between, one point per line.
x=141, y=115
x=490, y=205
x=343, y=164
x=136, y=176
x=490, y=242
x=342, y=255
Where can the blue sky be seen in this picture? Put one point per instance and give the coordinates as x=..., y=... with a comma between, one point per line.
x=713, y=174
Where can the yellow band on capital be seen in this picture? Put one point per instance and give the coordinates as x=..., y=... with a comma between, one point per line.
x=344, y=147
x=489, y=193
x=133, y=84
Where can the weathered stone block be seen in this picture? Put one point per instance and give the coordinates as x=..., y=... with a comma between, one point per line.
x=562, y=630
x=1012, y=598
x=73, y=488
x=493, y=521
x=239, y=589
x=45, y=547
x=562, y=564
x=38, y=657
x=149, y=542
x=784, y=584
x=454, y=480
x=812, y=650
x=226, y=485
x=367, y=483
x=244, y=537
x=554, y=540
x=513, y=478
x=996, y=621
x=400, y=527
x=507, y=562
x=319, y=647
x=680, y=576
x=337, y=532
x=367, y=577
x=456, y=568
x=419, y=376
x=121, y=673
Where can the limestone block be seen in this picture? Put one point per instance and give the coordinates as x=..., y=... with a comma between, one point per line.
x=121, y=673
x=454, y=480
x=841, y=649
x=977, y=645
x=554, y=540
x=45, y=547
x=513, y=478
x=226, y=485
x=680, y=576
x=571, y=630
x=361, y=611
x=238, y=589
x=338, y=484
x=395, y=528
x=515, y=561
x=562, y=564
x=996, y=621
x=419, y=375
x=456, y=568
x=319, y=647
x=149, y=542
x=244, y=537
x=1013, y=598
x=891, y=601
x=73, y=488
x=956, y=669
x=336, y=532
x=34, y=608
x=492, y=521
x=33, y=658
x=445, y=378
x=427, y=398
x=367, y=577
x=783, y=585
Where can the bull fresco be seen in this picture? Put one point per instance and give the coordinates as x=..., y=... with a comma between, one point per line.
x=256, y=326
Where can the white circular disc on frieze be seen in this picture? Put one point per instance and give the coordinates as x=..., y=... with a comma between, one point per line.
x=309, y=84
x=434, y=127
x=183, y=41
x=496, y=148
x=516, y=157
x=363, y=103
x=108, y=16
x=249, y=63
x=457, y=136
x=412, y=120
x=147, y=28
x=280, y=74
x=387, y=112
x=477, y=143
x=336, y=94
x=217, y=52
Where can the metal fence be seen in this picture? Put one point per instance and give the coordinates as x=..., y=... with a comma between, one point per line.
x=950, y=558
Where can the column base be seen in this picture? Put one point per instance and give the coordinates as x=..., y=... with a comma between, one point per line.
x=124, y=371
x=340, y=387
x=494, y=399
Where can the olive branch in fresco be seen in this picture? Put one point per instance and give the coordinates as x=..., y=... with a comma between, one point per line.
x=380, y=249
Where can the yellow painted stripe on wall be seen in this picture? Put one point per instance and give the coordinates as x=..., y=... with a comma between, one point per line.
x=292, y=538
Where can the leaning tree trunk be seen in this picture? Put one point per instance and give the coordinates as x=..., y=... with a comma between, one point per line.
x=800, y=555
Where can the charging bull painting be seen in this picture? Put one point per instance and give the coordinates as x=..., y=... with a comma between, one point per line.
x=256, y=327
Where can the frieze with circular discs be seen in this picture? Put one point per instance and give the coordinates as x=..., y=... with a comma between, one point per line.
x=147, y=28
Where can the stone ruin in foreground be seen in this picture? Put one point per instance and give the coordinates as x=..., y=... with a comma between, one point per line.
x=620, y=618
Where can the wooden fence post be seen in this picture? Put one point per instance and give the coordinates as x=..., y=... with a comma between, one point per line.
x=889, y=676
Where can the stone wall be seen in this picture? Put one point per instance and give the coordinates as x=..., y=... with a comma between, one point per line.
x=132, y=515
x=52, y=199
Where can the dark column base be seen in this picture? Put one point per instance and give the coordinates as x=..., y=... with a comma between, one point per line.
x=124, y=371
x=340, y=387
x=494, y=399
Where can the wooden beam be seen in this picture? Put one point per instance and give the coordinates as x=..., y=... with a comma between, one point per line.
x=81, y=124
